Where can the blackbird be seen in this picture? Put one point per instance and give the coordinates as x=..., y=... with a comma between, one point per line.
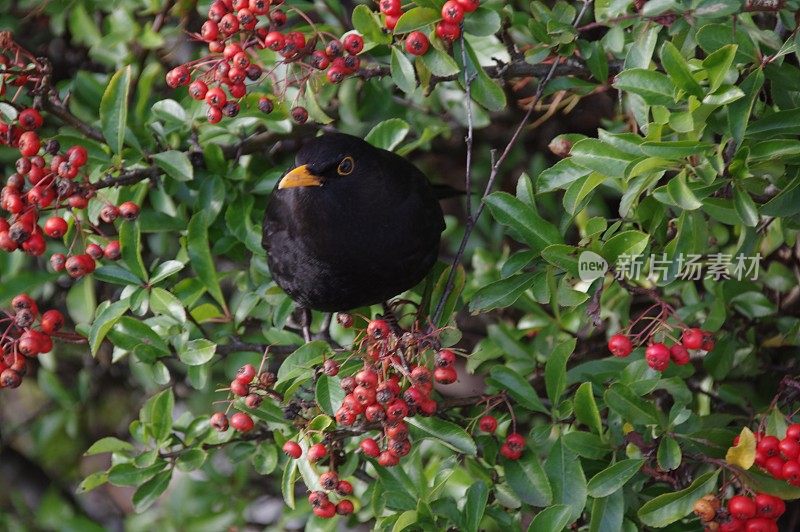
x=351, y=225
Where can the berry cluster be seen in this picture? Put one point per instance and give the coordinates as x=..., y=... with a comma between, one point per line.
x=657, y=353
x=514, y=443
x=320, y=501
x=741, y=514
x=251, y=384
x=236, y=31
x=780, y=458
x=22, y=340
x=448, y=29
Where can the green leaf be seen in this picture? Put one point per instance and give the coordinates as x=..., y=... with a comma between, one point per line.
x=483, y=89
x=449, y=305
x=776, y=124
x=103, y=323
x=717, y=65
x=448, y=433
x=288, y=480
x=654, y=87
x=94, y=480
x=201, y=259
x=586, y=410
x=613, y=478
x=555, y=370
x=580, y=192
x=114, y=109
x=601, y=157
x=745, y=207
x=302, y=360
x=608, y=513
x=439, y=63
x=630, y=406
x=552, y=519
x=625, y=243
x=566, y=476
x=416, y=18
x=329, y=394
x=130, y=241
x=560, y=175
x=528, y=481
x=675, y=149
x=365, y=21
x=680, y=194
x=483, y=22
x=786, y=203
x=156, y=415
x=112, y=273
x=388, y=134
x=191, y=459
x=127, y=474
x=669, y=454
x=522, y=392
x=164, y=303
x=678, y=69
x=197, y=352
x=563, y=256
x=532, y=228
x=760, y=482
x=670, y=507
x=131, y=333
x=502, y=293
x=739, y=111
x=402, y=71
x=166, y=269
x=476, y=497
x=176, y=164
x=109, y=444
x=151, y=490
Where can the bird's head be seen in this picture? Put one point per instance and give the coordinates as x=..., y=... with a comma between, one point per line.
x=328, y=159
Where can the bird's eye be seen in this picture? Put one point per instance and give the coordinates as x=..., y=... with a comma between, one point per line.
x=346, y=166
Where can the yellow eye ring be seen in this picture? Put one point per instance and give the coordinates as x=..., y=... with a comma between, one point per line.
x=346, y=167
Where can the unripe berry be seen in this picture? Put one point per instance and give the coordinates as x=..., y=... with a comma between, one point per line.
x=488, y=423
x=292, y=449
x=242, y=422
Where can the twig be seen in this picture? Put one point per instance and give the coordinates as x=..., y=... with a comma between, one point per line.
x=496, y=164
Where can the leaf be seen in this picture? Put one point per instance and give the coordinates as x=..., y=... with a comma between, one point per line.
x=166, y=269
x=201, y=259
x=94, y=480
x=675, y=149
x=103, y=323
x=197, y=352
x=745, y=207
x=131, y=333
x=655, y=88
x=608, y=513
x=176, y=164
x=680, y=194
x=601, y=157
x=630, y=243
x=329, y=394
x=740, y=110
x=560, y=175
x=760, y=482
x=288, y=480
x=482, y=22
x=365, y=22
x=151, y=490
x=114, y=109
x=532, y=228
x=388, y=134
x=567, y=479
x=112, y=273
x=743, y=454
x=127, y=474
x=109, y=444
x=678, y=69
x=522, y=392
x=786, y=203
x=416, y=18
x=777, y=124
x=629, y=406
x=580, y=192
x=717, y=64
x=448, y=307
x=502, y=293
x=669, y=454
x=586, y=410
x=156, y=415
x=528, y=481
x=483, y=89
x=439, y=63
x=191, y=459
x=475, y=504
x=302, y=360
x=670, y=507
x=613, y=478
x=130, y=241
x=555, y=370
x=552, y=519
x=402, y=71
x=164, y=303
x=448, y=433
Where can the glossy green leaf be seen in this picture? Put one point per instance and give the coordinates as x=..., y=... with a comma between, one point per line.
x=130, y=241
x=402, y=71
x=446, y=432
x=601, y=157
x=475, y=503
x=678, y=69
x=654, y=87
x=669, y=454
x=176, y=164
x=201, y=260
x=528, y=481
x=329, y=394
x=502, y=293
x=585, y=407
x=150, y=491
x=103, y=323
x=630, y=243
x=567, y=479
x=416, y=18
x=197, y=352
x=555, y=370
x=522, y=392
x=532, y=228
x=552, y=519
x=114, y=108
x=613, y=477
x=388, y=134
x=109, y=444
x=629, y=406
x=670, y=507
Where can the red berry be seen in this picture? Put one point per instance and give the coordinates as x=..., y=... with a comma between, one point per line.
x=760, y=524
x=729, y=524
x=390, y=21
x=344, y=507
x=447, y=375
x=274, y=41
x=198, y=89
x=239, y=388
x=657, y=356
x=365, y=396
x=94, y=251
x=246, y=373
x=329, y=480
x=79, y=265
x=57, y=260
x=469, y=5
x=299, y=114
x=215, y=97
x=336, y=74
x=397, y=430
x=447, y=31
x=367, y=378
x=427, y=407
x=510, y=453
x=345, y=417
x=10, y=379
x=29, y=344
x=390, y=7
x=444, y=358
x=378, y=329
x=417, y=43
x=178, y=77
x=219, y=421
x=515, y=441
x=769, y=445
x=708, y=341
x=319, y=60
x=741, y=507
x=213, y=115
x=292, y=449
x=242, y=422
x=692, y=338
x=769, y=506
x=55, y=227
x=112, y=251
x=353, y=43
x=52, y=321
x=259, y=7
x=278, y=18
x=344, y=488
x=396, y=410
x=129, y=210
x=326, y=510
x=679, y=354
x=370, y=447
x=265, y=105
x=29, y=144
x=790, y=449
x=30, y=119
x=452, y=12
x=620, y=345
x=330, y=368
x=791, y=472
x=774, y=466
x=77, y=155
x=388, y=459
x=316, y=452
x=488, y=424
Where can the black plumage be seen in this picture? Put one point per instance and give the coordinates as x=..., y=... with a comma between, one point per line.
x=351, y=225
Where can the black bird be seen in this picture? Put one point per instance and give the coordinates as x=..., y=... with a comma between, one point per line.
x=351, y=225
